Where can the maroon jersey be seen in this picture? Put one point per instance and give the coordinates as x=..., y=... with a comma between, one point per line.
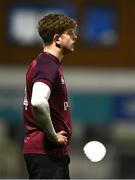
x=47, y=69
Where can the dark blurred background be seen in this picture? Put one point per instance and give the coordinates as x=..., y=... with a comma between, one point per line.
x=100, y=76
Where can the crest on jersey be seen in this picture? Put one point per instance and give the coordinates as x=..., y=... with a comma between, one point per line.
x=62, y=80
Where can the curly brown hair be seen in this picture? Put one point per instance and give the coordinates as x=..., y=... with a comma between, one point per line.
x=52, y=24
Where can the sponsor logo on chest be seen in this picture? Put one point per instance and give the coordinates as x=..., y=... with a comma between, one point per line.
x=62, y=77
x=66, y=106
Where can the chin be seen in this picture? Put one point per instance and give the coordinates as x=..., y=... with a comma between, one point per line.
x=72, y=49
x=67, y=51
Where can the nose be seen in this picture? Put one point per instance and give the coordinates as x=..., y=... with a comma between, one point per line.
x=74, y=37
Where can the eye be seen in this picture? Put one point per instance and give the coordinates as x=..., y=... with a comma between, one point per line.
x=72, y=32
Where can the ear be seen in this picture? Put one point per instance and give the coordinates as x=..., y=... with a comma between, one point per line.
x=56, y=38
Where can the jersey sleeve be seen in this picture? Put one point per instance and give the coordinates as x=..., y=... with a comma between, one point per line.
x=46, y=72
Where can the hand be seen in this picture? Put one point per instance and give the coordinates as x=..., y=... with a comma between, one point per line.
x=61, y=138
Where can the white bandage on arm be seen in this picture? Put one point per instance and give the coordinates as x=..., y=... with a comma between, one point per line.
x=40, y=95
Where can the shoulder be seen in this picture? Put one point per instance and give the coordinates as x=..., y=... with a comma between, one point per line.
x=46, y=68
x=47, y=61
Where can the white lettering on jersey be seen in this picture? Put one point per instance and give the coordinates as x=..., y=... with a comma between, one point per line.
x=66, y=106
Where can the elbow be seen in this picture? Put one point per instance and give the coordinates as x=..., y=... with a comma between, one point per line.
x=35, y=103
x=39, y=103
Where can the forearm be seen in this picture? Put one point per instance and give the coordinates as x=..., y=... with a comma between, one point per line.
x=43, y=116
x=42, y=112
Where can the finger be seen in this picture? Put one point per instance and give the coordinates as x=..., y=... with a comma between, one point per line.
x=65, y=138
x=63, y=132
x=65, y=143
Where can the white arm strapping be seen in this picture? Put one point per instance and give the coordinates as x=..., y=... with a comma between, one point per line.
x=40, y=95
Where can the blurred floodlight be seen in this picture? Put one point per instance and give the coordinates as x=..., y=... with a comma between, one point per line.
x=23, y=27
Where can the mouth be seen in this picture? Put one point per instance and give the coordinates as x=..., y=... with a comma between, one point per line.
x=73, y=43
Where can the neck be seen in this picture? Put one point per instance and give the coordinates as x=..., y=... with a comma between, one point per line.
x=55, y=51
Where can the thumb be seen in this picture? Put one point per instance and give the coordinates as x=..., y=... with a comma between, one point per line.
x=63, y=132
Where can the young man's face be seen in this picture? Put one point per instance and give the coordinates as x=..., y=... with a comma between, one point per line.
x=67, y=41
